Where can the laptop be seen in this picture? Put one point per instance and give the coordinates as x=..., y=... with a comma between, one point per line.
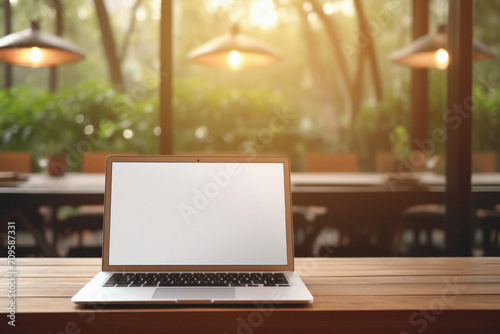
x=196, y=230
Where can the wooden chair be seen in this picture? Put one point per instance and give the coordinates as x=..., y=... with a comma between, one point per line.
x=94, y=162
x=484, y=162
x=356, y=237
x=19, y=162
x=387, y=162
x=488, y=221
x=89, y=217
x=323, y=162
x=429, y=218
x=331, y=162
x=424, y=221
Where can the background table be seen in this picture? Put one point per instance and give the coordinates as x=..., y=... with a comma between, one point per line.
x=375, y=295
x=361, y=198
x=368, y=207
x=39, y=190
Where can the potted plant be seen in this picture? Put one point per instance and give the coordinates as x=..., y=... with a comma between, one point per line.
x=55, y=132
x=56, y=157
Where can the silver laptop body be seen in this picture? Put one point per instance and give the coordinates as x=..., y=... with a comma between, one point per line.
x=228, y=217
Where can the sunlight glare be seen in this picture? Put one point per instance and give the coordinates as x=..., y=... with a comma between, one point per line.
x=329, y=8
x=82, y=13
x=141, y=15
x=214, y=5
x=345, y=7
x=264, y=14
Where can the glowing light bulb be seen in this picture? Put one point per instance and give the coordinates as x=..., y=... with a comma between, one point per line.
x=442, y=58
x=234, y=58
x=35, y=55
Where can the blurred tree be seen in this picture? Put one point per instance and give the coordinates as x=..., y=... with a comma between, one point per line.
x=322, y=90
x=108, y=42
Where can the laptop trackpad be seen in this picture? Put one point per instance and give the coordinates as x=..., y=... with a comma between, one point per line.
x=194, y=293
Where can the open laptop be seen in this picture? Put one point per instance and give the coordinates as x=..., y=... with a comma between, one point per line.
x=196, y=229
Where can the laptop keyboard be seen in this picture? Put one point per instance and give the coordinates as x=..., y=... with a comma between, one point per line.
x=196, y=279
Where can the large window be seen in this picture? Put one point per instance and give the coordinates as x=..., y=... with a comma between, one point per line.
x=334, y=90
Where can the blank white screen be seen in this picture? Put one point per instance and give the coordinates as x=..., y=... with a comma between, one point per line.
x=168, y=213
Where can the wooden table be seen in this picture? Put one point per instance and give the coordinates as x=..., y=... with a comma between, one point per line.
x=362, y=295
x=39, y=190
x=368, y=204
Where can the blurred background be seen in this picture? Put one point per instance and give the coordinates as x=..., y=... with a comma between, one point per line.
x=333, y=90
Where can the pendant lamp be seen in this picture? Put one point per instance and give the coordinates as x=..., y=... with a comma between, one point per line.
x=34, y=48
x=235, y=51
x=429, y=51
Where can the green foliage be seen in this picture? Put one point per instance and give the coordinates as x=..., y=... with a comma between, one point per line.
x=400, y=140
x=17, y=116
x=486, y=119
x=90, y=118
x=381, y=127
x=95, y=117
x=237, y=120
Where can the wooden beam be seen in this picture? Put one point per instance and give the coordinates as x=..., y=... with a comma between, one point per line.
x=166, y=117
x=53, y=78
x=8, y=30
x=419, y=110
x=458, y=129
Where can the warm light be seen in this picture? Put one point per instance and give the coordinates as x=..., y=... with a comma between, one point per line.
x=35, y=55
x=429, y=51
x=345, y=7
x=264, y=14
x=234, y=58
x=442, y=58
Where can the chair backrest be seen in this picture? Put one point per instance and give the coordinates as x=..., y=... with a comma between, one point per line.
x=484, y=162
x=19, y=162
x=385, y=162
x=332, y=162
x=95, y=162
x=416, y=161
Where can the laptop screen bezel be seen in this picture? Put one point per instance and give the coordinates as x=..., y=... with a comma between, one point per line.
x=289, y=266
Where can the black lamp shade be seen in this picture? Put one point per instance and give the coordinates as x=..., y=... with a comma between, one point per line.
x=34, y=48
x=421, y=53
x=234, y=50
